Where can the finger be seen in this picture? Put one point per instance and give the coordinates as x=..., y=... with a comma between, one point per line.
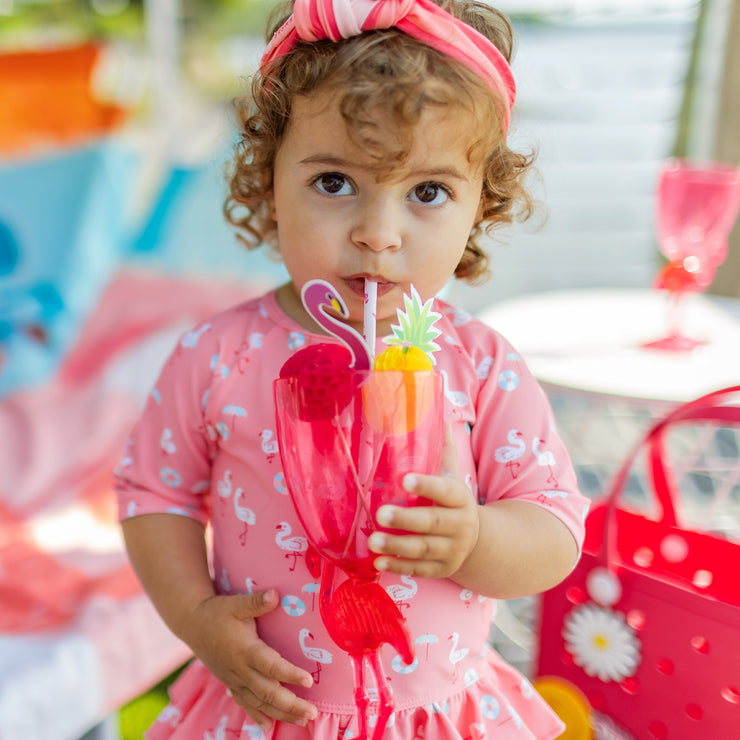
x=268, y=663
x=444, y=490
x=411, y=547
x=249, y=606
x=272, y=700
x=439, y=520
x=416, y=568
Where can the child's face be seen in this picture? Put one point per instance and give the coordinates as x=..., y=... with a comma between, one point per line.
x=338, y=221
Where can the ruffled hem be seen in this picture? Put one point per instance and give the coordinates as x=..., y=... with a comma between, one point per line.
x=501, y=705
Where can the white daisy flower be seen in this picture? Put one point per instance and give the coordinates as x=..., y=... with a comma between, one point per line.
x=601, y=642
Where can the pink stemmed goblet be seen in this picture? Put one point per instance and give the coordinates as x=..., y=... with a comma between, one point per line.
x=696, y=207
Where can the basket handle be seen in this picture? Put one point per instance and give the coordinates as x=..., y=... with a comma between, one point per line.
x=705, y=408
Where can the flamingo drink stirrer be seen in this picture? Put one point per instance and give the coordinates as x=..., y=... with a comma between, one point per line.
x=347, y=435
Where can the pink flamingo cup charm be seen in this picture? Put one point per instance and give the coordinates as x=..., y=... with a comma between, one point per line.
x=340, y=466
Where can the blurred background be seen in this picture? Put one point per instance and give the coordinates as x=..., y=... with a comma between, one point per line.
x=607, y=90
x=115, y=130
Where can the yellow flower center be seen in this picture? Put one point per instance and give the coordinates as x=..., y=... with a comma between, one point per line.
x=600, y=642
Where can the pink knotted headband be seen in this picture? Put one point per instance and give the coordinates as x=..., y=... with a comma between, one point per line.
x=423, y=20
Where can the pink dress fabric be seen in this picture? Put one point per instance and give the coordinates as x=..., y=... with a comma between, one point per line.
x=205, y=448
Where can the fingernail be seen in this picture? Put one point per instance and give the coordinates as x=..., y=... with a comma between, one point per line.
x=381, y=564
x=307, y=681
x=410, y=482
x=268, y=596
x=384, y=516
x=376, y=542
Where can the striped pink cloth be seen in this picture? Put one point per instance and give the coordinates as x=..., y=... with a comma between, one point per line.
x=423, y=20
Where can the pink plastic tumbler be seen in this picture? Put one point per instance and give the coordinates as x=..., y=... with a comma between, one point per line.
x=343, y=464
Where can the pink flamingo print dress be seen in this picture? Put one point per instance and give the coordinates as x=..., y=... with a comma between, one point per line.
x=205, y=448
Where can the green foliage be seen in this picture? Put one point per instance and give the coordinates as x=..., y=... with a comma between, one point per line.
x=416, y=325
x=138, y=715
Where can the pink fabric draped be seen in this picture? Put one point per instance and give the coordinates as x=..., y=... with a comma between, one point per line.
x=423, y=20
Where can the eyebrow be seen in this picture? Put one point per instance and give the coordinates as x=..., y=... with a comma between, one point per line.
x=331, y=160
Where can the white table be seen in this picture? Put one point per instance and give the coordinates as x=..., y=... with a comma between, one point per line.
x=591, y=341
x=606, y=388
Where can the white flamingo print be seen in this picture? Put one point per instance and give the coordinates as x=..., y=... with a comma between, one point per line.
x=190, y=338
x=269, y=445
x=484, y=368
x=243, y=514
x=456, y=398
x=402, y=594
x=224, y=485
x=313, y=653
x=220, y=731
x=166, y=443
x=456, y=655
x=509, y=454
x=545, y=458
x=170, y=715
x=293, y=545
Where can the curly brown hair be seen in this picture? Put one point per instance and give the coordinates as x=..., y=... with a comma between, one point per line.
x=384, y=72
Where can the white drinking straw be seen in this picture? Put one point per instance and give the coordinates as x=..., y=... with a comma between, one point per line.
x=370, y=316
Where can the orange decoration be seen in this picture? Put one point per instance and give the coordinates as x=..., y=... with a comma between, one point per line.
x=396, y=401
x=47, y=99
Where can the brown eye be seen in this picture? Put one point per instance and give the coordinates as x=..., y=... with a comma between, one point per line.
x=333, y=183
x=430, y=193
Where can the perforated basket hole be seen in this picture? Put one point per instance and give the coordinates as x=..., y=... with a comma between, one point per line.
x=658, y=730
x=731, y=694
x=674, y=548
x=700, y=644
x=694, y=711
x=576, y=595
x=636, y=619
x=630, y=685
x=703, y=578
x=643, y=557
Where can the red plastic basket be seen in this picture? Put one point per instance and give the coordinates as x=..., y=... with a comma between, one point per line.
x=647, y=626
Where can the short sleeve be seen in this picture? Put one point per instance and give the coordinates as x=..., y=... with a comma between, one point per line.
x=167, y=461
x=516, y=445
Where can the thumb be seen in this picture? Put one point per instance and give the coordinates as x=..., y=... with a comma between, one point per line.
x=448, y=462
x=248, y=606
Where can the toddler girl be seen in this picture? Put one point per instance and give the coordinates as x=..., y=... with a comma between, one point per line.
x=373, y=147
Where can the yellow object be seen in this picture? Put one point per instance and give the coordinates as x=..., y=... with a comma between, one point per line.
x=402, y=358
x=569, y=703
x=397, y=401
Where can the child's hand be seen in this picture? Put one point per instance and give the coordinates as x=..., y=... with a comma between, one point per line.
x=441, y=536
x=223, y=635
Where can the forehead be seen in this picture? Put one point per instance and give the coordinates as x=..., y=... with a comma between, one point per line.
x=441, y=133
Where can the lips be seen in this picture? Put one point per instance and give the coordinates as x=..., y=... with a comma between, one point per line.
x=356, y=284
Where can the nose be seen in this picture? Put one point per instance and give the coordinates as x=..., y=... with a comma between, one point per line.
x=377, y=225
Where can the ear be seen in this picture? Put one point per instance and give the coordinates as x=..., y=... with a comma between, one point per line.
x=481, y=208
x=270, y=201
